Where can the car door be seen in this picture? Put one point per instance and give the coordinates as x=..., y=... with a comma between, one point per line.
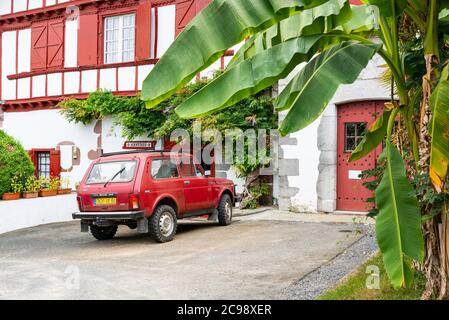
x=197, y=191
x=161, y=178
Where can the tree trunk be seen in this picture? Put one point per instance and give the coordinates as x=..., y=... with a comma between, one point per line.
x=435, y=230
x=249, y=181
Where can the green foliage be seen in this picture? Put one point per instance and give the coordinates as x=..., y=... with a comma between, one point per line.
x=14, y=162
x=372, y=179
x=32, y=184
x=398, y=224
x=223, y=23
x=128, y=112
x=257, y=192
x=52, y=183
x=354, y=287
x=17, y=184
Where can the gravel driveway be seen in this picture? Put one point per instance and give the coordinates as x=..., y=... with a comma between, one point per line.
x=250, y=259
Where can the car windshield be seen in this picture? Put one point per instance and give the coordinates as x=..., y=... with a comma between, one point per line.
x=116, y=171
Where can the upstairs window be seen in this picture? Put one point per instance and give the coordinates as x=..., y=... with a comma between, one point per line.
x=119, y=38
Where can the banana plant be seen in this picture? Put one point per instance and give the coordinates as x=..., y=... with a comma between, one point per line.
x=336, y=41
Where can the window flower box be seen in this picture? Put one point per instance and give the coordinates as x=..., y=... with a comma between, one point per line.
x=47, y=193
x=30, y=195
x=11, y=196
x=65, y=191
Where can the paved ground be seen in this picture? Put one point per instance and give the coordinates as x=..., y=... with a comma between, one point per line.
x=257, y=257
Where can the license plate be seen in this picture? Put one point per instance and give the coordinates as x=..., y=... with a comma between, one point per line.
x=105, y=201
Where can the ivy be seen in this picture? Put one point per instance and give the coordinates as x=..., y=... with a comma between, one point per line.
x=135, y=120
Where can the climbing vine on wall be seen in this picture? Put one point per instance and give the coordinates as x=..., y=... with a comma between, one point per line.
x=130, y=114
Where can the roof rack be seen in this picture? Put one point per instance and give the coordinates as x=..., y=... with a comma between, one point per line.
x=109, y=154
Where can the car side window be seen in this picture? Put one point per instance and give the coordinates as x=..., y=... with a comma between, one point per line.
x=164, y=169
x=189, y=168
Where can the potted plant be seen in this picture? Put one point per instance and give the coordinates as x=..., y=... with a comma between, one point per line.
x=50, y=187
x=16, y=187
x=31, y=188
x=65, y=186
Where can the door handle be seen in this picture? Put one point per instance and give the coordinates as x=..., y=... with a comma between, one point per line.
x=186, y=182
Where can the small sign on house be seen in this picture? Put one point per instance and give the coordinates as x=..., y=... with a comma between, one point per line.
x=147, y=145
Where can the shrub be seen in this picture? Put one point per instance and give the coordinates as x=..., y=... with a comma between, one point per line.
x=14, y=161
x=32, y=184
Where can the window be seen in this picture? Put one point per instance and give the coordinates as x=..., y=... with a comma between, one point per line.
x=115, y=171
x=354, y=132
x=190, y=169
x=164, y=169
x=43, y=164
x=119, y=38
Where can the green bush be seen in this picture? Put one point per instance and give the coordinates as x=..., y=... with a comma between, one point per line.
x=14, y=162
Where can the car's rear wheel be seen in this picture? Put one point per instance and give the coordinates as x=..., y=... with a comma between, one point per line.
x=103, y=233
x=225, y=210
x=163, y=224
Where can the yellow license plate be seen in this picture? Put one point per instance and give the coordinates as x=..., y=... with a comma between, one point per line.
x=105, y=201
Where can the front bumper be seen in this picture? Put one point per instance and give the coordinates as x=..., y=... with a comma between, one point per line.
x=117, y=215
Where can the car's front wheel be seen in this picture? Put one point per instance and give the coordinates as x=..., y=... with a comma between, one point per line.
x=103, y=233
x=163, y=224
x=225, y=210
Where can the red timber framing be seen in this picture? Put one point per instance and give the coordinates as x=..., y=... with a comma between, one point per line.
x=47, y=26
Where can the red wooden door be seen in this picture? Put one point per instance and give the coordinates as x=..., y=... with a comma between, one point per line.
x=353, y=119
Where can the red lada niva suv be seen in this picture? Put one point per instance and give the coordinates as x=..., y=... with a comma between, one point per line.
x=149, y=191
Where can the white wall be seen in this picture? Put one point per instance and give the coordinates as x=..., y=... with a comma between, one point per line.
x=71, y=44
x=25, y=213
x=166, y=28
x=8, y=65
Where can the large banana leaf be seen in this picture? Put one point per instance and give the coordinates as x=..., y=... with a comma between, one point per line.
x=219, y=26
x=398, y=224
x=248, y=77
x=387, y=7
x=372, y=138
x=439, y=154
x=310, y=91
x=332, y=15
x=363, y=19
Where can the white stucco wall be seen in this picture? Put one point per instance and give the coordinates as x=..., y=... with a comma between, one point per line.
x=27, y=213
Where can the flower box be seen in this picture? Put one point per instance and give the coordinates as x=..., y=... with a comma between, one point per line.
x=47, y=193
x=65, y=191
x=11, y=196
x=30, y=195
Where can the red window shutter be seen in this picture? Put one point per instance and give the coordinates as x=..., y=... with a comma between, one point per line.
x=39, y=42
x=55, y=163
x=88, y=40
x=32, y=155
x=143, y=31
x=186, y=10
x=55, y=49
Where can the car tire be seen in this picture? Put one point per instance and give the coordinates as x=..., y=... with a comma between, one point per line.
x=103, y=233
x=225, y=210
x=163, y=224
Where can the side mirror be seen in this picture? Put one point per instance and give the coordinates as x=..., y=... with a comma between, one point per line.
x=207, y=173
